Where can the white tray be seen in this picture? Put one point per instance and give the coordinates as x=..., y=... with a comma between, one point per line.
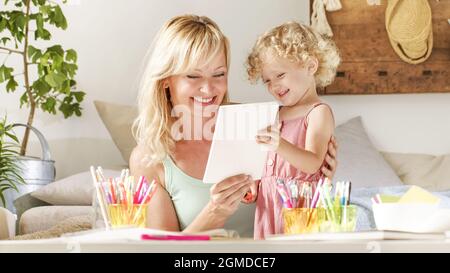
x=420, y=218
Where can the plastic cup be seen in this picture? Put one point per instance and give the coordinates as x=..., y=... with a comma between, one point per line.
x=127, y=215
x=309, y=220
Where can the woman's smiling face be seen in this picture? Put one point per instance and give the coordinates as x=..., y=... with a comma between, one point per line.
x=202, y=86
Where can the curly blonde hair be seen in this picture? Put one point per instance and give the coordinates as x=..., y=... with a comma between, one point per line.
x=297, y=43
x=181, y=44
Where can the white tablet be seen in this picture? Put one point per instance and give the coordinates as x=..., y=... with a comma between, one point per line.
x=234, y=149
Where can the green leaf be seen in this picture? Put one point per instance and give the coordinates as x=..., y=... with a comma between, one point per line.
x=13, y=137
x=9, y=185
x=44, y=59
x=49, y=105
x=72, y=83
x=71, y=56
x=3, y=22
x=68, y=99
x=5, y=73
x=66, y=109
x=57, y=61
x=23, y=99
x=45, y=34
x=5, y=40
x=11, y=85
x=20, y=36
x=59, y=18
x=44, y=9
x=2, y=74
x=56, y=49
x=79, y=96
x=42, y=70
x=41, y=87
x=69, y=69
x=20, y=21
x=54, y=80
x=39, y=21
x=66, y=87
x=41, y=32
x=3, y=200
x=10, y=169
x=32, y=51
x=36, y=57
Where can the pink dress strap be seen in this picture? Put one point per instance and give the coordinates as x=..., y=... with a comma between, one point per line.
x=313, y=107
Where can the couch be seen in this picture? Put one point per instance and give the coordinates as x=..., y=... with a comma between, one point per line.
x=359, y=162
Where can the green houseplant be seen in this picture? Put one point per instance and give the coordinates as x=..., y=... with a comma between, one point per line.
x=9, y=168
x=53, y=67
x=44, y=76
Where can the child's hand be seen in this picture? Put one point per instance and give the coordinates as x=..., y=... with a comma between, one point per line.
x=269, y=138
x=251, y=195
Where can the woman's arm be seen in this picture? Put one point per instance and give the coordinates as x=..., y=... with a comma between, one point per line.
x=161, y=212
x=225, y=198
x=331, y=158
x=224, y=201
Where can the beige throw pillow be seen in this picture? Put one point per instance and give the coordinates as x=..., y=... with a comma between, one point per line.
x=118, y=119
x=75, y=190
x=427, y=171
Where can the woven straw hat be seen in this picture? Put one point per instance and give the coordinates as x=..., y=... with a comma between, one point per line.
x=409, y=27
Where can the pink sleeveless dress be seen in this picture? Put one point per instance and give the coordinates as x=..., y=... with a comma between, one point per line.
x=268, y=215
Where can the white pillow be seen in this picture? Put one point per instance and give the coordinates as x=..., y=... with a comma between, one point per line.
x=75, y=190
x=358, y=159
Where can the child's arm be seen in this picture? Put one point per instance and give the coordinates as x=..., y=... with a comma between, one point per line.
x=320, y=130
x=308, y=160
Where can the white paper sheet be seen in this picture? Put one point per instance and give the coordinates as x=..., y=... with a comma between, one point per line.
x=234, y=149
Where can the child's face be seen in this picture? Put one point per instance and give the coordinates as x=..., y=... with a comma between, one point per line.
x=203, y=86
x=287, y=81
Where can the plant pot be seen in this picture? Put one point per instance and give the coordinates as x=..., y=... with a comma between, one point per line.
x=37, y=172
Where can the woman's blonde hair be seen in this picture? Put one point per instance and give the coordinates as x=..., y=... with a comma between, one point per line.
x=297, y=43
x=180, y=45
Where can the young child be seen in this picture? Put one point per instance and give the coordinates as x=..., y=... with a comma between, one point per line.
x=292, y=60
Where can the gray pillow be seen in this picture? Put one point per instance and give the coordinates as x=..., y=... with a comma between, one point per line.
x=75, y=190
x=359, y=161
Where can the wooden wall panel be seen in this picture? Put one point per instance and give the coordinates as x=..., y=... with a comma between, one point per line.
x=370, y=65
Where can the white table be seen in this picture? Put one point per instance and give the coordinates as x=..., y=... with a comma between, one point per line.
x=227, y=246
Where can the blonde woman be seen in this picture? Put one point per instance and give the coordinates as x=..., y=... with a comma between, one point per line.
x=187, y=73
x=292, y=60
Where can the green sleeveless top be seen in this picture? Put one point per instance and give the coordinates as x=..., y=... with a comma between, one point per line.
x=190, y=195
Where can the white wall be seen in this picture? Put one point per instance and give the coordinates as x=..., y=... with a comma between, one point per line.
x=111, y=38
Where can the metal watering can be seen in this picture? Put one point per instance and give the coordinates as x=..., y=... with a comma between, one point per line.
x=35, y=171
